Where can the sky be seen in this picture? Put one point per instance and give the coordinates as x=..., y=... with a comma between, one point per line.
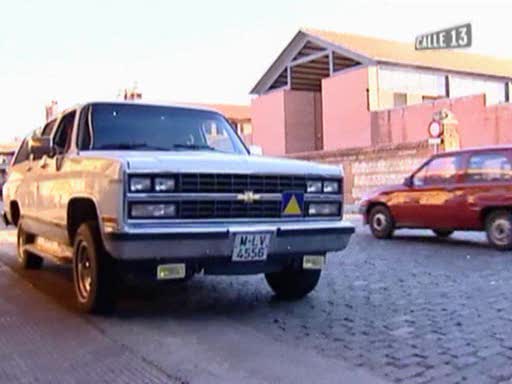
x=189, y=50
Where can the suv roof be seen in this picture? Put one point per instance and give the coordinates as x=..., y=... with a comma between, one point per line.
x=137, y=102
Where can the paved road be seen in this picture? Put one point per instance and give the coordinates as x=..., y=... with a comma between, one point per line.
x=412, y=310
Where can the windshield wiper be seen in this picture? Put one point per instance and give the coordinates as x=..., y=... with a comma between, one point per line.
x=195, y=147
x=128, y=146
x=145, y=146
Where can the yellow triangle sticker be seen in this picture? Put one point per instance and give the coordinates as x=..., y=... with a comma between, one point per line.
x=292, y=208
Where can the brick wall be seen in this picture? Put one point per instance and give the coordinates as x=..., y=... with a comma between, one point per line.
x=286, y=121
x=303, y=121
x=369, y=168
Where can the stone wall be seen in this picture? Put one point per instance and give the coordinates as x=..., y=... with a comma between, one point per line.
x=369, y=168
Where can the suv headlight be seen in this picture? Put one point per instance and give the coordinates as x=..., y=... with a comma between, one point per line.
x=324, y=209
x=314, y=186
x=148, y=211
x=140, y=184
x=164, y=184
x=331, y=186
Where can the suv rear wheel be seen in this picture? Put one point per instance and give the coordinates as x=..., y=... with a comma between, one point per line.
x=293, y=284
x=498, y=226
x=26, y=259
x=93, y=271
x=381, y=223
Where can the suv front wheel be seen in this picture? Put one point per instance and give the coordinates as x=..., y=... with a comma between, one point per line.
x=293, y=284
x=94, y=275
x=498, y=226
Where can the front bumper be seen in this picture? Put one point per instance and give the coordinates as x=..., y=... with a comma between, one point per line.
x=216, y=241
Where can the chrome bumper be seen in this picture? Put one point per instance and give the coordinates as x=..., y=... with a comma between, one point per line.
x=142, y=242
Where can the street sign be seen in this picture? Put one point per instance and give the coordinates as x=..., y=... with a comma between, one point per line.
x=460, y=36
x=434, y=140
x=435, y=129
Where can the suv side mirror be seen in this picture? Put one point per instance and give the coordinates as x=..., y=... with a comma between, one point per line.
x=40, y=146
x=408, y=181
x=255, y=150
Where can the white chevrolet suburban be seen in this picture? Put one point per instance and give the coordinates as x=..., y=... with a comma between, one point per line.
x=121, y=190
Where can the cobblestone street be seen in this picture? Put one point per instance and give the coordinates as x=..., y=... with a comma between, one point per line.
x=415, y=309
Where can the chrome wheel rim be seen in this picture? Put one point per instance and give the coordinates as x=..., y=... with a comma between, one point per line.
x=501, y=231
x=83, y=271
x=379, y=221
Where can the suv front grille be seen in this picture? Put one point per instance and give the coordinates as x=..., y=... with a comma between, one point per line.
x=228, y=209
x=233, y=183
x=229, y=196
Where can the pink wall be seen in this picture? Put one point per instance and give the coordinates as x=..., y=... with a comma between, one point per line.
x=346, y=120
x=303, y=114
x=268, y=121
x=478, y=124
x=473, y=117
x=504, y=122
x=409, y=124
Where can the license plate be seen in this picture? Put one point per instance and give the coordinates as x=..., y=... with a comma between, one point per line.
x=251, y=247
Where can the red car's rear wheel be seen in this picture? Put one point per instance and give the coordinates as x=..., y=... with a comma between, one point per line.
x=498, y=226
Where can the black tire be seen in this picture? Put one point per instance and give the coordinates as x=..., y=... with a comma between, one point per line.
x=381, y=222
x=443, y=233
x=27, y=260
x=94, y=276
x=293, y=284
x=498, y=225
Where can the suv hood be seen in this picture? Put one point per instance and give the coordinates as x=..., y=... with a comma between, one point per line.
x=213, y=162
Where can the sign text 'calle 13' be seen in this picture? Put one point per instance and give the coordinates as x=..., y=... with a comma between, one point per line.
x=450, y=38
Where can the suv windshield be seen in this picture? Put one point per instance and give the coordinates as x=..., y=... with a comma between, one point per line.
x=160, y=128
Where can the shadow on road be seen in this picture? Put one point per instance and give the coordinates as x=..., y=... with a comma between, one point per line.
x=202, y=296
x=423, y=236
x=209, y=296
x=450, y=242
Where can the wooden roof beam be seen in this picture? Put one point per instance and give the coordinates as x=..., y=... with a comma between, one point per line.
x=307, y=59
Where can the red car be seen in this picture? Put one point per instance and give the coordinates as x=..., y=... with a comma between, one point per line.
x=469, y=189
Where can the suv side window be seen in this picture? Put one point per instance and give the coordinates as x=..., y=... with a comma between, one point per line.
x=488, y=167
x=48, y=128
x=62, y=138
x=23, y=154
x=441, y=170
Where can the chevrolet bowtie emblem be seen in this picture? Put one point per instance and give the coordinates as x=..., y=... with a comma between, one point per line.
x=248, y=197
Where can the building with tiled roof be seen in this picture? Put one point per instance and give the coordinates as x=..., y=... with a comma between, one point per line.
x=327, y=90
